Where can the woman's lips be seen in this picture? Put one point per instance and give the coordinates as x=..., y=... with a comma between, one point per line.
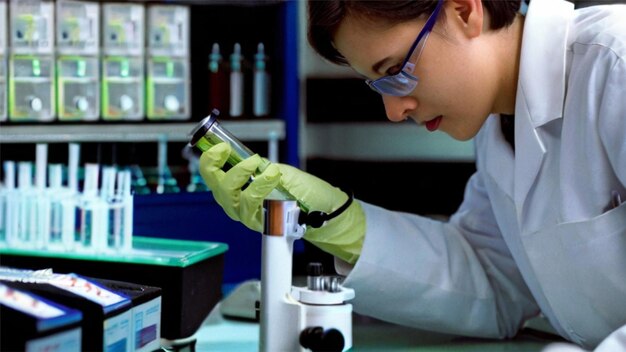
x=433, y=124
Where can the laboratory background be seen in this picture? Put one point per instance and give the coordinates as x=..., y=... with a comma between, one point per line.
x=109, y=238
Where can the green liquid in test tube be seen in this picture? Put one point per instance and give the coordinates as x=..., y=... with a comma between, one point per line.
x=210, y=132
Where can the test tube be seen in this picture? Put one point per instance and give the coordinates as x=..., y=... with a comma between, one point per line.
x=114, y=207
x=73, y=161
x=128, y=211
x=41, y=232
x=9, y=211
x=56, y=208
x=93, y=212
x=62, y=210
x=210, y=132
x=27, y=218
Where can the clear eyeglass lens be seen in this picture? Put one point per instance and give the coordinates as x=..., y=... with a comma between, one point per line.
x=404, y=82
x=397, y=85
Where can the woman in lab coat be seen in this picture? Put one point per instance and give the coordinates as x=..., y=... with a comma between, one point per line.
x=542, y=228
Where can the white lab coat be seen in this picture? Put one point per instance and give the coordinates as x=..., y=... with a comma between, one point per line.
x=536, y=232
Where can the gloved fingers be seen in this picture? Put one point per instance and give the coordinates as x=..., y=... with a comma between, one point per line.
x=295, y=180
x=228, y=192
x=313, y=191
x=342, y=236
x=231, y=209
x=216, y=156
x=211, y=163
x=251, y=199
x=228, y=200
x=252, y=215
x=240, y=174
x=262, y=185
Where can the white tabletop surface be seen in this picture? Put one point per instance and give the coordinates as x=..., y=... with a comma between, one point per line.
x=224, y=335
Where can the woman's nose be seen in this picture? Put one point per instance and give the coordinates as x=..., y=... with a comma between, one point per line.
x=398, y=108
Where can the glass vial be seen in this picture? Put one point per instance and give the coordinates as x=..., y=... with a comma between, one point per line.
x=8, y=215
x=261, y=89
x=236, y=82
x=92, y=213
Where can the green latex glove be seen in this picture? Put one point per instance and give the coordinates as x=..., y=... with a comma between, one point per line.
x=341, y=236
x=247, y=205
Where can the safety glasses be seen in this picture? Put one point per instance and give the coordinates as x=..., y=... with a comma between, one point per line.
x=404, y=82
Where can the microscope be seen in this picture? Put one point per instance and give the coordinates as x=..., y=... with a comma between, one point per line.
x=315, y=317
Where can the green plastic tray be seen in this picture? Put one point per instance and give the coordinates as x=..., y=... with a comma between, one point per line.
x=146, y=250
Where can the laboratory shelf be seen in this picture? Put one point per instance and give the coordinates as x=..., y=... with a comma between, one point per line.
x=246, y=130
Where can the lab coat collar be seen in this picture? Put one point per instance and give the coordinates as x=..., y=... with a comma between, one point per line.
x=541, y=88
x=542, y=82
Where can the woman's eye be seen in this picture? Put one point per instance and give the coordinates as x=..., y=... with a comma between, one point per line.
x=394, y=70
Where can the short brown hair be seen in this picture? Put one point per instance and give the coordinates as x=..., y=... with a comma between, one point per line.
x=326, y=15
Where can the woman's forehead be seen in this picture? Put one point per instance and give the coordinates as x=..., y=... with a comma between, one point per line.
x=364, y=42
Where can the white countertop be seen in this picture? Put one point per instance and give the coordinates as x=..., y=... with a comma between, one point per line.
x=223, y=335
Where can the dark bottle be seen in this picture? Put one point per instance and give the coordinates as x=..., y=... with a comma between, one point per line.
x=218, y=81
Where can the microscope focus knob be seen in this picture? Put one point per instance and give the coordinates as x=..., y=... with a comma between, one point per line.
x=315, y=280
x=317, y=340
x=314, y=269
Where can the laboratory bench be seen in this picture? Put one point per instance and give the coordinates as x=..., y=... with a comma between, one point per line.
x=220, y=334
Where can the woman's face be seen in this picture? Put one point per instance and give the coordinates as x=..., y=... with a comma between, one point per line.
x=458, y=75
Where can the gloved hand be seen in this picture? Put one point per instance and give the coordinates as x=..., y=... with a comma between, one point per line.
x=246, y=205
x=341, y=236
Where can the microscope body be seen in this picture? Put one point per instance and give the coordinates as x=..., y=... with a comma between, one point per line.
x=315, y=317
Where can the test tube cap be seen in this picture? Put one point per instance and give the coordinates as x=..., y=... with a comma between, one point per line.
x=202, y=127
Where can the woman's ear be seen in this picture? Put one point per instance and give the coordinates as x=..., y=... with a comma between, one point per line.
x=465, y=15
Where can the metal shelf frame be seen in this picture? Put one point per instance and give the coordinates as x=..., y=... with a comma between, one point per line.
x=270, y=131
x=245, y=130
